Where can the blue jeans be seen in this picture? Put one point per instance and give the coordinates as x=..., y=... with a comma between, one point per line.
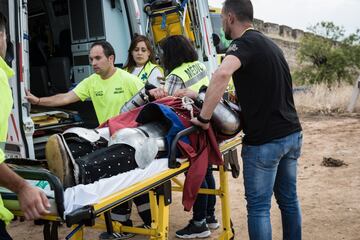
x=268, y=168
x=204, y=205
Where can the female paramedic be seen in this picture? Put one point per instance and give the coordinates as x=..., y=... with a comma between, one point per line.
x=180, y=61
x=141, y=61
x=186, y=76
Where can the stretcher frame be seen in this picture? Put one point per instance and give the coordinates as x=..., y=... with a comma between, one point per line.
x=159, y=189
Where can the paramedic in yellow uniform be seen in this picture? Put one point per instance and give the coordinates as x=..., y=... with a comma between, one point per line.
x=109, y=87
x=32, y=201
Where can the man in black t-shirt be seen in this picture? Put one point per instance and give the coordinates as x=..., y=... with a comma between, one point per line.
x=273, y=137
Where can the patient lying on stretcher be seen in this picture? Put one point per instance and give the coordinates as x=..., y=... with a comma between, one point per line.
x=83, y=156
x=128, y=141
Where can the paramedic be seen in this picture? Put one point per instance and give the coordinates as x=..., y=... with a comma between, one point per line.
x=185, y=78
x=141, y=61
x=109, y=87
x=32, y=201
x=180, y=60
x=273, y=138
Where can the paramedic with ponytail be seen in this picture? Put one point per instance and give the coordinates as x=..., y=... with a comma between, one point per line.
x=32, y=201
x=180, y=61
x=141, y=61
x=186, y=75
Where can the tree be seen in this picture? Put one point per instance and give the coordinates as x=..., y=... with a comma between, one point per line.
x=327, y=56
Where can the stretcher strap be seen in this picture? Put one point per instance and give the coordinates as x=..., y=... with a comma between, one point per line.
x=163, y=21
x=183, y=4
x=157, y=14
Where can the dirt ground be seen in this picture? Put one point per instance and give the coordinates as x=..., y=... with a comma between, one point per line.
x=330, y=196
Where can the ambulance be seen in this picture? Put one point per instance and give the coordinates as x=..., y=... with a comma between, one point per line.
x=48, y=47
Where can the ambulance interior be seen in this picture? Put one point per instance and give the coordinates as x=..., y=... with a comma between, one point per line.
x=51, y=71
x=49, y=47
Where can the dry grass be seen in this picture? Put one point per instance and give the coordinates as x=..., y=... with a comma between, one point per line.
x=321, y=99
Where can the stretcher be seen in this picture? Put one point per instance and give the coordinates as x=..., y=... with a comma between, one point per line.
x=159, y=188
x=167, y=18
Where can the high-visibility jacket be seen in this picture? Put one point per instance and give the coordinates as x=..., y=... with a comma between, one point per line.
x=147, y=70
x=193, y=74
x=6, y=105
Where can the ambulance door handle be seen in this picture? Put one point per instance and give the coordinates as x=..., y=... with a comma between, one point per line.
x=27, y=106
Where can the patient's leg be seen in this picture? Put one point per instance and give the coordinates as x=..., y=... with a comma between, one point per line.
x=106, y=162
x=92, y=161
x=83, y=156
x=59, y=161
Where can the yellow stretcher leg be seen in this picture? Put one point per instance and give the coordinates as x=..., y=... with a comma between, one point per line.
x=79, y=234
x=223, y=193
x=160, y=220
x=163, y=225
x=154, y=210
x=225, y=205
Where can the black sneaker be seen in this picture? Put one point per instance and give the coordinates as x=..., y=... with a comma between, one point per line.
x=193, y=231
x=115, y=236
x=144, y=226
x=212, y=222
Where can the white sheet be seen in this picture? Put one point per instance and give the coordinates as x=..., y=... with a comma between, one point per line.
x=82, y=195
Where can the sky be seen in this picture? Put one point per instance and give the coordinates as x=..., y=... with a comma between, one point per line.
x=304, y=13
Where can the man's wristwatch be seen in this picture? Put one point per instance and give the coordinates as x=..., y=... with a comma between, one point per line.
x=202, y=120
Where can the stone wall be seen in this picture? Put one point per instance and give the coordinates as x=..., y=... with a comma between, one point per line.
x=285, y=37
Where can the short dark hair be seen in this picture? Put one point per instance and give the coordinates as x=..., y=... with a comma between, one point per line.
x=177, y=50
x=243, y=9
x=108, y=49
x=130, y=64
x=3, y=22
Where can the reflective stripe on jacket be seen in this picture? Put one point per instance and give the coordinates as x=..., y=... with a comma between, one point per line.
x=193, y=74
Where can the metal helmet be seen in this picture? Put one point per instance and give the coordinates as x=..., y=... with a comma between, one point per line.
x=146, y=141
x=157, y=131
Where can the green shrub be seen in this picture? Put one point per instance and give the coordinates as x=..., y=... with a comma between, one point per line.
x=326, y=56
